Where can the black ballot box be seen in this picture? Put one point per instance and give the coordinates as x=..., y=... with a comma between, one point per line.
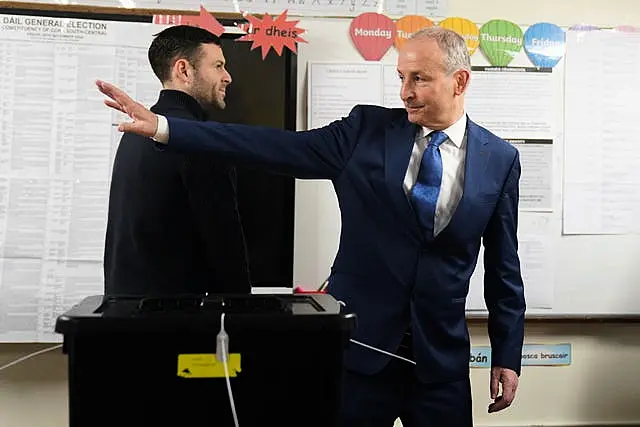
x=157, y=361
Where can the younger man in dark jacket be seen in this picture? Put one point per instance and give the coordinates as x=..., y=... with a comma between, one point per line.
x=173, y=224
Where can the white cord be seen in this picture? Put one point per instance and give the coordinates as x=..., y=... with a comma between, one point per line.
x=223, y=348
x=29, y=356
x=370, y=347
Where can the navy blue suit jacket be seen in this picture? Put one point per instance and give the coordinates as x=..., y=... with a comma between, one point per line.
x=385, y=270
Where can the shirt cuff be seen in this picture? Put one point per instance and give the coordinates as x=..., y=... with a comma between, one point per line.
x=162, y=133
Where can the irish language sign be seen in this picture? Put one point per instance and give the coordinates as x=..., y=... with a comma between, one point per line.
x=268, y=33
x=532, y=355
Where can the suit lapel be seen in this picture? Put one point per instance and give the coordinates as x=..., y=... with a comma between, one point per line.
x=399, y=140
x=476, y=161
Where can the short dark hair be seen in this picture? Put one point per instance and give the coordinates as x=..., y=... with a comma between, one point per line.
x=173, y=43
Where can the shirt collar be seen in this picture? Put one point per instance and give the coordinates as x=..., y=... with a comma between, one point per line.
x=455, y=132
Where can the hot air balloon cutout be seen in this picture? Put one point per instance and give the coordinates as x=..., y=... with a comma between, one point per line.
x=627, y=29
x=372, y=34
x=500, y=41
x=545, y=44
x=583, y=27
x=466, y=28
x=407, y=26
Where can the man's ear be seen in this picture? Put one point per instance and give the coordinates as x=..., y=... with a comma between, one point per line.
x=461, y=81
x=182, y=71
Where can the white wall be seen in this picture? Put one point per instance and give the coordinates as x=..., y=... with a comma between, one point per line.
x=599, y=387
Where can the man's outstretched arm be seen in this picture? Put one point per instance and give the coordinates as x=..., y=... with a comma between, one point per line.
x=320, y=153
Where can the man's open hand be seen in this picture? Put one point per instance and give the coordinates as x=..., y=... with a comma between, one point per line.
x=509, y=380
x=145, y=122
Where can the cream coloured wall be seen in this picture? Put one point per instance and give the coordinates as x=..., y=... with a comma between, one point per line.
x=599, y=388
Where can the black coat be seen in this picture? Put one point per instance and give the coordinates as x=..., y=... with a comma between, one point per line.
x=173, y=223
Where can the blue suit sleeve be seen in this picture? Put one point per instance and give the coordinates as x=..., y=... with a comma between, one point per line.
x=503, y=286
x=315, y=154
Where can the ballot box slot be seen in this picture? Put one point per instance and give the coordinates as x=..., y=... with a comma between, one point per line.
x=215, y=304
x=208, y=305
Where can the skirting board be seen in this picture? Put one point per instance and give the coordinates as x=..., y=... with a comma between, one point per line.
x=585, y=424
x=582, y=424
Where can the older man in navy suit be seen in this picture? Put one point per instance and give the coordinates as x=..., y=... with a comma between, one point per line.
x=419, y=189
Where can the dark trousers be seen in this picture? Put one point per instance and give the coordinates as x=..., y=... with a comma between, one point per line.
x=395, y=392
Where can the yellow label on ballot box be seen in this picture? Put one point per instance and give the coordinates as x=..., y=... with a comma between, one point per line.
x=206, y=366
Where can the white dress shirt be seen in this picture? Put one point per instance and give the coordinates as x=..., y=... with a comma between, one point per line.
x=162, y=132
x=453, y=152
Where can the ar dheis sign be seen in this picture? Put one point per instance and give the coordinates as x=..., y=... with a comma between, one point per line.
x=268, y=33
x=532, y=355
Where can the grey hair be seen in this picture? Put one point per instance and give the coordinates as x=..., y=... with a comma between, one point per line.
x=453, y=46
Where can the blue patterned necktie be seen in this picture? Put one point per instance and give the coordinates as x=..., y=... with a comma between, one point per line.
x=424, y=195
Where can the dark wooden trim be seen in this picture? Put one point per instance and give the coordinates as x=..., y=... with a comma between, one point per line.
x=7, y=6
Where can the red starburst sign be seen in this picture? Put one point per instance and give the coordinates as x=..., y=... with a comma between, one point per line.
x=272, y=33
